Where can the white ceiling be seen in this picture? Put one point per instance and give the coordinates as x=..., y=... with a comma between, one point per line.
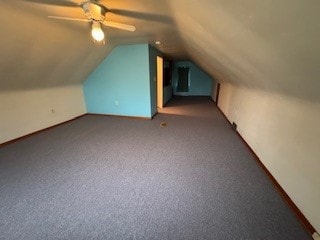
x=271, y=45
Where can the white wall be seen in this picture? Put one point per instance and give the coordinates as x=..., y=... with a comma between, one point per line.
x=284, y=132
x=26, y=111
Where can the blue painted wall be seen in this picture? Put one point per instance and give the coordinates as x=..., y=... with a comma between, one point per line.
x=121, y=84
x=200, y=83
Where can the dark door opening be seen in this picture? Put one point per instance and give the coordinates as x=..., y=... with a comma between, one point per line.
x=218, y=91
x=183, y=79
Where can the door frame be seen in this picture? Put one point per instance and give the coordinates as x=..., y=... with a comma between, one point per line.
x=159, y=82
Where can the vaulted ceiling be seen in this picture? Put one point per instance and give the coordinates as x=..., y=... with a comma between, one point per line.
x=269, y=45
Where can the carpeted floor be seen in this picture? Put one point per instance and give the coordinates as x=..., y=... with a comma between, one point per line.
x=102, y=177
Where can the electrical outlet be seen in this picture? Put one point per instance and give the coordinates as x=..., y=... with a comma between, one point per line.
x=52, y=110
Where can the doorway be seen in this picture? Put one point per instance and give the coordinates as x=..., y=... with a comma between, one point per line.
x=217, y=93
x=183, y=79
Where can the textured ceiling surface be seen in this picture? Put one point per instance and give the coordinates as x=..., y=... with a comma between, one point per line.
x=271, y=45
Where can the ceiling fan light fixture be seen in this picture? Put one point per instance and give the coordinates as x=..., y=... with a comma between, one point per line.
x=97, y=32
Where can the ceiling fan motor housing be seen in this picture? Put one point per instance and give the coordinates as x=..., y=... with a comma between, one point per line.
x=94, y=11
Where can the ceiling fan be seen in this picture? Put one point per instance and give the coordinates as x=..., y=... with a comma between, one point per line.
x=96, y=14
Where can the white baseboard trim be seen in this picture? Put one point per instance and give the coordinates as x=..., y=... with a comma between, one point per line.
x=316, y=236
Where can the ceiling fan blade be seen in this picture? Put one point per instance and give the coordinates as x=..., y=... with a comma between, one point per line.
x=64, y=3
x=122, y=26
x=142, y=15
x=70, y=19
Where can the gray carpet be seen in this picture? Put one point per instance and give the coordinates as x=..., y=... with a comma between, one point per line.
x=102, y=177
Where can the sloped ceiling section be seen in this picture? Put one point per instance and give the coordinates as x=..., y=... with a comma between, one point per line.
x=37, y=51
x=271, y=45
